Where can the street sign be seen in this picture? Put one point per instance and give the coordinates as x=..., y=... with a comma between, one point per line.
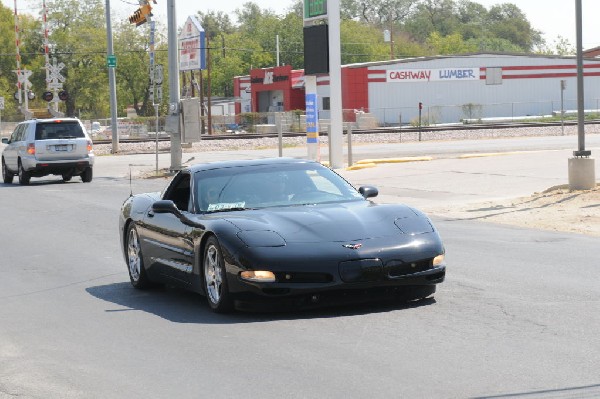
x=158, y=74
x=111, y=61
x=1, y=103
x=312, y=118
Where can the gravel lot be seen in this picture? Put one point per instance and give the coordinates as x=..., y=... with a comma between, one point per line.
x=272, y=142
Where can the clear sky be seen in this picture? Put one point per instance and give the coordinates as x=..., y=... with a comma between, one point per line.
x=552, y=17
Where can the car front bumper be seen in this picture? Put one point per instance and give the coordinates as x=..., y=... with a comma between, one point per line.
x=281, y=295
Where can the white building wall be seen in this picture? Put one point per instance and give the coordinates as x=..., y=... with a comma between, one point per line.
x=447, y=101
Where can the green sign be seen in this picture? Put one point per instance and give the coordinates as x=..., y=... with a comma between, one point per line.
x=314, y=8
x=111, y=61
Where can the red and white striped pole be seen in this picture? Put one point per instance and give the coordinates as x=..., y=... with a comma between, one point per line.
x=18, y=45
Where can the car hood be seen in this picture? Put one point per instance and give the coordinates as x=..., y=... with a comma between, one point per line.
x=353, y=221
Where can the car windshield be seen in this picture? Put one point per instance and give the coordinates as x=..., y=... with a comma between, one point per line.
x=58, y=130
x=263, y=186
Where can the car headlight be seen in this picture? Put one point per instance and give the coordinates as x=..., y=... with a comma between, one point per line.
x=439, y=260
x=262, y=276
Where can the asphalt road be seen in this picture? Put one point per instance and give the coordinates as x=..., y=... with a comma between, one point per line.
x=518, y=316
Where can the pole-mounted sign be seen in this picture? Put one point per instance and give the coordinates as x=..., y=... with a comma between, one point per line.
x=315, y=9
x=192, y=47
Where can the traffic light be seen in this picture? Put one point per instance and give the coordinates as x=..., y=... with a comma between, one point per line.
x=141, y=14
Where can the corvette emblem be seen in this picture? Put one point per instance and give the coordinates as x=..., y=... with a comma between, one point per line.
x=352, y=246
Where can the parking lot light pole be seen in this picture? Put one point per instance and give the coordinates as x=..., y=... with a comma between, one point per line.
x=582, y=175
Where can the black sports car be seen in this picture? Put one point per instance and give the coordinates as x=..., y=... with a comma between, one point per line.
x=278, y=231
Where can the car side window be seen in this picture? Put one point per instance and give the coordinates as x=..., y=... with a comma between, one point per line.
x=16, y=136
x=179, y=192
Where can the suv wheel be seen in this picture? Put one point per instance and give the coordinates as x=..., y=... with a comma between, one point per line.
x=86, y=176
x=24, y=177
x=6, y=175
x=67, y=176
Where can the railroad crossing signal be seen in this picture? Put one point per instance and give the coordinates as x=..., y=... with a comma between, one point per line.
x=54, y=72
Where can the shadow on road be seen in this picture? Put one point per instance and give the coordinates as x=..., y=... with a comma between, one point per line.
x=182, y=306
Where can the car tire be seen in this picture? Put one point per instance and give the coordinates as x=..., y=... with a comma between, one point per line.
x=24, y=176
x=7, y=177
x=135, y=260
x=215, y=279
x=87, y=174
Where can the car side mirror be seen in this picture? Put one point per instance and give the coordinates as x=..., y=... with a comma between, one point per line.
x=165, y=206
x=5, y=140
x=168, y=206
x=368, y=191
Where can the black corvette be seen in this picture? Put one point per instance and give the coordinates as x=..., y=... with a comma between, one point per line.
x=278, y=232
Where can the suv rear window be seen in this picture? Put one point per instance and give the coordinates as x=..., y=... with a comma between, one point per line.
x=58, y=130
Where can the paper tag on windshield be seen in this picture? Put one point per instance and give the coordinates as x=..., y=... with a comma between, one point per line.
x=226, y=205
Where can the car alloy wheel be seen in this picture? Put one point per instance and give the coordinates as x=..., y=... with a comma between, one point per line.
x=133, y=255
x=215, y=282
x=135, y=260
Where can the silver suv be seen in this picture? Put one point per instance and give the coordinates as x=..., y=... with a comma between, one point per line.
x=40, y=147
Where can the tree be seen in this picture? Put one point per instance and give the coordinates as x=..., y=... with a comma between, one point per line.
x=472, y=18
x=451, y=44
x=507, y=21
x=8, y=78
x=133, y=79
x=361, y=43
x=80, y=43
x=215, y=23
x=560, y=46
x=377, y=12
x=433, y=16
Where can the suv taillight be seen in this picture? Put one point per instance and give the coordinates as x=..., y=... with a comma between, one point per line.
x=31, y=149
x=89, y=146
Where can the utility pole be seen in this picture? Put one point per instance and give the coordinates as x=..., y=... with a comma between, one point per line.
x=112, y=82
x=336, y=139
x=173, y=124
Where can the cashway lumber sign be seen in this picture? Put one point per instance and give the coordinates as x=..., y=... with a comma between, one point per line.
x=429, y=75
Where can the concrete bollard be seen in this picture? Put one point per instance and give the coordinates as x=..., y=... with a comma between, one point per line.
x=582, y=173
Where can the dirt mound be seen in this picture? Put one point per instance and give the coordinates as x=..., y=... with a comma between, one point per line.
x=557, y=209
